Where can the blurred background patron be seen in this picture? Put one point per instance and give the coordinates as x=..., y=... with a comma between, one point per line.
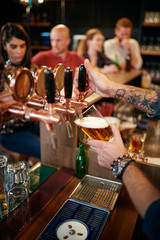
x=123, y=45
x=17, y=136
x=91, y=47
x=60, y=40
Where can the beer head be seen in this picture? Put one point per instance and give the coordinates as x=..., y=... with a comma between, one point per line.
x=95, y=128
x=92, y=122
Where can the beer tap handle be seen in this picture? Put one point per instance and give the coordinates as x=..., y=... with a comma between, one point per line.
x=82, y=81
x=68, y=84
x=81, y=87
x=50, y=95
x=49, y=85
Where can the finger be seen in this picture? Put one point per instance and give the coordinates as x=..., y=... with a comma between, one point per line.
x=75, y=79
x=116, y=134
x=77, y=93
x=96, y=143
x=88, y=93
x=88, y=65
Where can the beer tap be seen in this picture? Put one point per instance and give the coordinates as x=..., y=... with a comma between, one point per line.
x=13, y=103
x=50, y=96
x=59, y=73
x=30, y=114
x=38, y=101
x=82, y=82
x=68, y=84
x=81, y=104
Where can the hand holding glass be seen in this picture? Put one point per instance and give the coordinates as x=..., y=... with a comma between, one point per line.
x=94, y=125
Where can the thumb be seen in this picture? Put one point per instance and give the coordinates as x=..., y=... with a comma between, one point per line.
x=88, y=65
x=116, y=134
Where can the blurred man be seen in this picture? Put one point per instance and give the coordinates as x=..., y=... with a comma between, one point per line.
x=118, y=48
x=60, y=40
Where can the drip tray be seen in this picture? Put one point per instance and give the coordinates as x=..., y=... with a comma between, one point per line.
x=76, y=221
x=97, y=191
x=84, y=214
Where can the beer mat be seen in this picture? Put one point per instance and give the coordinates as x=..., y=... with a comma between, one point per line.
x=38, y=174
x=97, y=191
x=76, y=221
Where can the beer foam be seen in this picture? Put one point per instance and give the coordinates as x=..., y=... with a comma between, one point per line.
x=92, y=122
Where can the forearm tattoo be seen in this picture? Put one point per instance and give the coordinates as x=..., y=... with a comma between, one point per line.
x=145, y=100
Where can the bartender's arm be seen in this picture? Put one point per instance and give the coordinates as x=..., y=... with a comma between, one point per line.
x=145, y=100
x=141, y=191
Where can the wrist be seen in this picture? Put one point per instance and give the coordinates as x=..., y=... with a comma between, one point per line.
x=120, y=164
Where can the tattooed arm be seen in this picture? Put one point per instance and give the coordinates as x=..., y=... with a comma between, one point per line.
x=145, y=100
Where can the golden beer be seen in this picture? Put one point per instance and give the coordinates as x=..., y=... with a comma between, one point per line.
x=135, y=144
x=95, y=128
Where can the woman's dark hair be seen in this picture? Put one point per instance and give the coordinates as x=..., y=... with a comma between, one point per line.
x=8, y=31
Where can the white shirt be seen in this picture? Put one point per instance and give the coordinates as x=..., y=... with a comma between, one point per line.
x=113, y=49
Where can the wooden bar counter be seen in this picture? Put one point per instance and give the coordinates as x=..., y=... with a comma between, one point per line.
x=120, y=224
x=124, y=77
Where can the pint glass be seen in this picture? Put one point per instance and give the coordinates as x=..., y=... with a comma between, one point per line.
x=136, y=142
x=92, y=123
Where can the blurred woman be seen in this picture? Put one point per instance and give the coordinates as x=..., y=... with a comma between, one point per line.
x=18, y=136
x=91, y=47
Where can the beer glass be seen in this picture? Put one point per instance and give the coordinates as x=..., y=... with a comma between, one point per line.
x=136, y=141
x=92, y=123
x=17, y=174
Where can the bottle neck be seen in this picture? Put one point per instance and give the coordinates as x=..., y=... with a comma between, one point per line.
x=81, y=149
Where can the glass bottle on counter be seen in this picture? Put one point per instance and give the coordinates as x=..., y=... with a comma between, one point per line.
x=81, y=162
x=116, y=61
x=3, y=195
x=128, y=61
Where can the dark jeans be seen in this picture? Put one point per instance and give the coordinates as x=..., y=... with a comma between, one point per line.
x=25, y=142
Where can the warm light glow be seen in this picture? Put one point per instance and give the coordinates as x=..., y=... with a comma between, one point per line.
x=40, y=1
x=24, y=1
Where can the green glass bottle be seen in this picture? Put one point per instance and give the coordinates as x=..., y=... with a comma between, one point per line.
x=116, y=61
x=81, y=162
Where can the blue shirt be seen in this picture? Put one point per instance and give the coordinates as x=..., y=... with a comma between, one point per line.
x=151, y=222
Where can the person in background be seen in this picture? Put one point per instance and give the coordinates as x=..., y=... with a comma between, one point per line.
x=18, y=136
x=119, y=47
x=91, y=48
x=59, y=53
x=113, y=155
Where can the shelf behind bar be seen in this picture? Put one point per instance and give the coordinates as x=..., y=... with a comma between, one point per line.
x=36, y=24
x=150, y=52
x=145, y=24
